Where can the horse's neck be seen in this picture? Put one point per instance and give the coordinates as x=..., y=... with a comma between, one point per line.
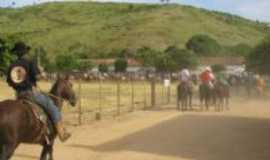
x=57, y=101
x=56, y=97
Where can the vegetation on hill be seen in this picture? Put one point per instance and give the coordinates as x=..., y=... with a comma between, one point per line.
x=96, y=30
x=259, y=58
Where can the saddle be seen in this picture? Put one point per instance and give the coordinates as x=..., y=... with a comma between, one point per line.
x=44, y=123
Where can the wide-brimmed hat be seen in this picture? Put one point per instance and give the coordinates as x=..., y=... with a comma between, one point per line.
x=208, y=69
x=20, y=48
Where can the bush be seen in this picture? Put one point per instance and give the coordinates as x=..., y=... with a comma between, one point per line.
x=182, y=58
x=203, y=45
x=85, y=65
x=218, y=68
x=5, y=56
x=174, y=59
x=120, y=65
x=103, y=68
x=146, y=56
x=241, y=49
x=259, y=58
x=66, y=62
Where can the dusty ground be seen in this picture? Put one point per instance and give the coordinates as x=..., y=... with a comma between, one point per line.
x=242, y=133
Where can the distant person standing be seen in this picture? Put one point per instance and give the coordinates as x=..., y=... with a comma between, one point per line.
x=260, y=84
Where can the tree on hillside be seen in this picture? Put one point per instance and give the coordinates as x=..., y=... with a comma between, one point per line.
x=44, y=59
x=259, y=58
x=165, y=64
x=218, y=68
x=66, y=62
x=241, y=49
x=120, y=65
x=146, y=56
x=182, y=58
x=5, y=56
x=203, y=45
x=103, y=68
x=85, y=65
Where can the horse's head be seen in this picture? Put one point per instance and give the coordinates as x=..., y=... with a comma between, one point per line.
x=63, y=88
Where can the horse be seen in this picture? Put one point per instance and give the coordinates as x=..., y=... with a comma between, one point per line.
x=206, y=94
x=221, y=94
x=19, y=124
x=184, y=96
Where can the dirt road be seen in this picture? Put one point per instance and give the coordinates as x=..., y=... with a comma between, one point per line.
x=243, y=133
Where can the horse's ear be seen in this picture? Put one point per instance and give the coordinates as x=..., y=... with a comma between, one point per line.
x=68, y=77
x=60, y=76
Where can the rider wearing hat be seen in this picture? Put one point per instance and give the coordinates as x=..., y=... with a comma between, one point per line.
x=185, y=76
x=22, y=76
x=207, y=77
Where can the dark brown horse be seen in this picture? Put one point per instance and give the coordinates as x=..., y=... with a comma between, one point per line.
x=18, y=124
x=205, y=96
x=184, y=96
x=221, y=95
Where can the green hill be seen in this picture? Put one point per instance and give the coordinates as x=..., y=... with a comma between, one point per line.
x=103, y=27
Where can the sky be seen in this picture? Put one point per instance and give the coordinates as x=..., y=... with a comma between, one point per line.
x=252, y=9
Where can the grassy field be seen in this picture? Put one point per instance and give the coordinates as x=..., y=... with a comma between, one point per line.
x=102, y=27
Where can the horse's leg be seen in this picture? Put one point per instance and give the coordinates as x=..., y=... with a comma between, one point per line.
x=186, y=103
x=9, y=149
x=3, y=152
x=227, y=103
x=190, y=101
x=178, y=99
x=182, y=104
x=51, y=150
x=44, y=152
x=178, y=103
x=47, y=152
x=207, y=101
x=201, y=101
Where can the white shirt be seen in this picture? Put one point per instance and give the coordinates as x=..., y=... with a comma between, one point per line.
x=184, y=75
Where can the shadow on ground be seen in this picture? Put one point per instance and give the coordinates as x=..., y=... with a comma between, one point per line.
x=198, y=138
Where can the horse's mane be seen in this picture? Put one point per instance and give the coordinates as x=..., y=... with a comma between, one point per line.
x=55, y=88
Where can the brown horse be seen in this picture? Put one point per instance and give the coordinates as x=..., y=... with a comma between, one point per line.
x=18, y=124
x=184, y=96
x=221, y=95
x=205, y=96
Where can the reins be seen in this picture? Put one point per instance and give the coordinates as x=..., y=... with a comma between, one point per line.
x=50, y=94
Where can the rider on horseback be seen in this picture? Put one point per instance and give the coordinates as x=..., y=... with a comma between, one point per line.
x=221, y=78
x=207, y=77
x=185, y=76
x=22, y=77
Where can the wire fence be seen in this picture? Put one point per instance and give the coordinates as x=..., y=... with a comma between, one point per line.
x=107, y=98
x=99, y=99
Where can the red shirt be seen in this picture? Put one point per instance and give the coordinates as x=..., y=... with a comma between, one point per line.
x=205, y=77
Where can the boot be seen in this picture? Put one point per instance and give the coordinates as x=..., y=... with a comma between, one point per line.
x=62, y=134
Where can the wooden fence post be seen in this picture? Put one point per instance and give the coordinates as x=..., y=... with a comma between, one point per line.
x=118, y=97
x=80, y=103
x=145, y=95
x=169, y=94
x=153, y=92
x=98, y=114
x=132, y=95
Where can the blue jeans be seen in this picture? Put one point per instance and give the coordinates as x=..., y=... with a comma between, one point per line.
x=48, y=105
